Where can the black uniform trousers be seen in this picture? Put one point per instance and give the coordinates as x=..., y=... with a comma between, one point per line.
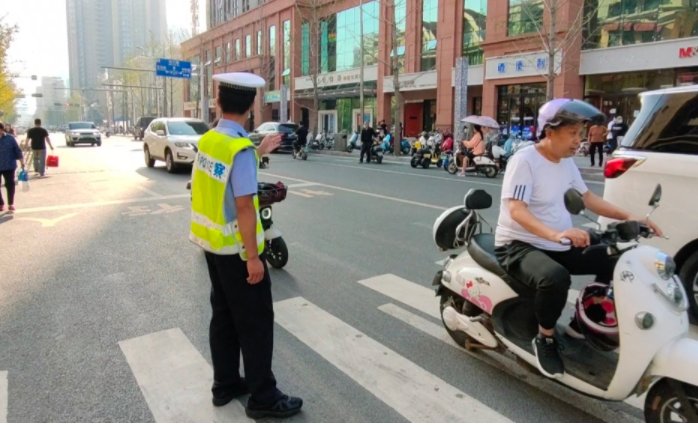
x=548, y=273
x=365, y=150
x=242, y=321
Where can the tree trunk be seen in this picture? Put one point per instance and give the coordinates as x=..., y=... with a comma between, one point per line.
x=550, y=88
x=395, y=69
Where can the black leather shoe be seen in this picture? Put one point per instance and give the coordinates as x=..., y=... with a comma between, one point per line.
x=282, y=408
x=227, y=396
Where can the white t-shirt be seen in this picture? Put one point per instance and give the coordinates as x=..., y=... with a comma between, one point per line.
x=541, y=184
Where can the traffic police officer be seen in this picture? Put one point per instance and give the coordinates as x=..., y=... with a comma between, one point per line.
x=225, y=223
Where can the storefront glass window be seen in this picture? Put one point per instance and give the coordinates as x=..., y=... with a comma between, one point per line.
x=474, y=20
x=287, y=53
x=237, y=49
x=305, y=48
x=626, y=22
x=430, y=15
x=400, y=22
x=517, y=109
x=259, y=42
x=345, y=108
x=228, y=52
x=219, y=54
x=248, y=45
x=524, y=16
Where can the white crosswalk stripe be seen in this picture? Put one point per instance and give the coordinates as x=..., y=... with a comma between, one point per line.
x=413, y=392
x=176, y=380
x=3, y=396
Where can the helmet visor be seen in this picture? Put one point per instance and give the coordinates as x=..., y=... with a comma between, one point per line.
x=567, y=111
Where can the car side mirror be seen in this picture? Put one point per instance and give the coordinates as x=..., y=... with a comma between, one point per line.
x=160, y=132
x=574, y=203
x=656, y=196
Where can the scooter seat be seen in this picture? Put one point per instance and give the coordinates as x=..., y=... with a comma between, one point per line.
x=481, y=249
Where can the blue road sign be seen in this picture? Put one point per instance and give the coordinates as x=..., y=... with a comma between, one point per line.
x=173, y=68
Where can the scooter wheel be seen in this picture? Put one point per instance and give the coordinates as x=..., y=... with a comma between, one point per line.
x=490, y=172
x=414, y=162
x=305, y=156
x=663, y=402
x=439, y=163
x=452, y=167
x=277, y=252
x=379, y=160
x=425, y=163
x=462, y=306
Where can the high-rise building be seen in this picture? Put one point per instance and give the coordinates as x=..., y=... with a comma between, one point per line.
x=51, y=107
x=106, y=33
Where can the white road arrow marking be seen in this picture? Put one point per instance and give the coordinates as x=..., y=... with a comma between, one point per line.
x=48, y=222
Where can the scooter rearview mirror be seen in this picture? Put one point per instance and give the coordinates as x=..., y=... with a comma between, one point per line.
x=656, y=196
x=574, y=201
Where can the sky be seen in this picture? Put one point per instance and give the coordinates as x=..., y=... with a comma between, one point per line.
x=40, y=47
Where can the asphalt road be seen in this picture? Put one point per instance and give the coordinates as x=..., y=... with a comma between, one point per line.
x=104, y=303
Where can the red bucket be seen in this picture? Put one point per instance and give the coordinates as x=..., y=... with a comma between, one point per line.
x=52, y=161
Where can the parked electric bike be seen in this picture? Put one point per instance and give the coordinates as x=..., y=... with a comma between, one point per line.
x=377, y=150
x=484, y=308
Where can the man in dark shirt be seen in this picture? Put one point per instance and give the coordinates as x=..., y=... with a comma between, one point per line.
x=367, y=134
x=39, y=137
x=302, y=137
x=9, y=155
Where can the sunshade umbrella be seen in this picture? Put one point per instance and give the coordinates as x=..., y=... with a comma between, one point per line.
x=481, y=120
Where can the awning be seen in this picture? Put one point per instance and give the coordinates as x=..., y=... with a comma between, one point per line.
x=335, y=93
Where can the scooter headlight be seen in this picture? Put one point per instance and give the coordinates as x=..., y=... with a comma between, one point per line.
x=665, y=265
x=265, y=213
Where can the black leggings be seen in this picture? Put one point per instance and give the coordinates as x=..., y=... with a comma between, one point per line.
x=9, y=177
x=548, y=272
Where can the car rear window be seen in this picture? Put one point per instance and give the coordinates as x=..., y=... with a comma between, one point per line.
x=288, y=128
x=667, y=123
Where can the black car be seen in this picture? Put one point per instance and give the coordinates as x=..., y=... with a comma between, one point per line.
x=287, y=130
x=141, y=125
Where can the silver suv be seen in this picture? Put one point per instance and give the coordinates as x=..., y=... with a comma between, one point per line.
x=82, y=132
x=661, y=146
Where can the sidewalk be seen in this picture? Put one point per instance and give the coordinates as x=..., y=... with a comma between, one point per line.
x=583, y=162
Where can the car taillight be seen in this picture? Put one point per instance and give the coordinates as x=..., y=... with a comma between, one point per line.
x=615, y=167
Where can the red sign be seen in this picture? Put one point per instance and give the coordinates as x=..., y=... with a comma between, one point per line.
x=687, y=52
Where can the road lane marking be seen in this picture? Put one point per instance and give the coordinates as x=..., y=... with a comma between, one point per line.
x=412, y=294
x=3, y=396
x=175, y=379
x=99, y=204
x=602, y=411
x=48, y=222
x=297, y=185
x=372, y=195
x=149, y=192
x=411, y=391
x=302, y=194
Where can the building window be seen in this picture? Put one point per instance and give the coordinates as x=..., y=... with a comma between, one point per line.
x=219, y=55
x=259, y=42
x=474, y=21
x=400, y=25
x=237, y=49
x=305, y=48
x=286, y=73
x=228, y=52
x=430, y=14
x=525, y=16
x=340, y=39
x=248, y=45
x=626, y=22
x=245, y=5
x=271, y=70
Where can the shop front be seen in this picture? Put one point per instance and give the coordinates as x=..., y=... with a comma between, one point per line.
x=517, y=108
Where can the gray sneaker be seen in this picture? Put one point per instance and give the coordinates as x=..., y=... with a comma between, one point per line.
x=548, y=356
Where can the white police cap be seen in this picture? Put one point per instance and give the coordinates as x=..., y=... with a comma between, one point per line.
x=244, y=81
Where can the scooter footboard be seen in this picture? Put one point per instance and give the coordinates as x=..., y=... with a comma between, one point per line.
x=678, y=360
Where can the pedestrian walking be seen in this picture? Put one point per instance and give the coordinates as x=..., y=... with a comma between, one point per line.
x=225, y=222
x=9, y=155
x=39, y=138
x=596, y=137
x=618, y=130
x=367, y=134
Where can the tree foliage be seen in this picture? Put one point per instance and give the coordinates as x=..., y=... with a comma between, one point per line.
x=8, y=91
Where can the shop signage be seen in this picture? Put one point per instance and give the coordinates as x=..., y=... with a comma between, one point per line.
x=413, y=81
x=687, y=52
x=272, y=96
x=351, y=76
x=520, y=65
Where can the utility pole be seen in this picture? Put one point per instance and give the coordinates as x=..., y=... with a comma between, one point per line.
x=361, y=70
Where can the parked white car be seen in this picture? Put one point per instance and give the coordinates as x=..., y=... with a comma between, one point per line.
x=661, y=147
x=172, y=140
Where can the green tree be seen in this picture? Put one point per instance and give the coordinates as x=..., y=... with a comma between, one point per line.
x=8, y=91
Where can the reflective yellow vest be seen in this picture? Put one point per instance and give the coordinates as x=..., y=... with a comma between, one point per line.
x=210, y=174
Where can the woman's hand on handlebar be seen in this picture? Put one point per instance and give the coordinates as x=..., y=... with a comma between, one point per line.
x=579, y=238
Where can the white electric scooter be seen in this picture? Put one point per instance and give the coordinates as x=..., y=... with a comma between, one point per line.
x=484, y=308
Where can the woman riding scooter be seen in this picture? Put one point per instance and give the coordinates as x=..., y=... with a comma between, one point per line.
x=473, y=147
